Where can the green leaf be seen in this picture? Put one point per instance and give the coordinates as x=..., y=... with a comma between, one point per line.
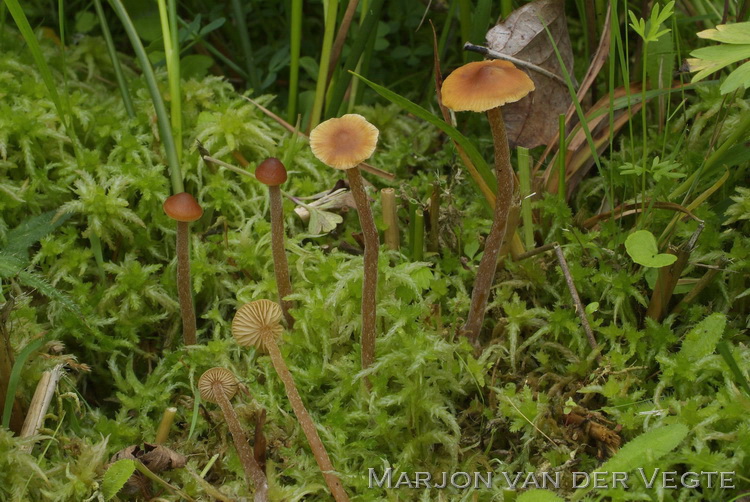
x=116, y=477
x=448, y=129
x=538, y=496
x=642, y=248
x=48, y=290
x=737, y=33
x=738, y=78
x=28, y=233
x=701, y=341
x=651, y=445
x=10, y=265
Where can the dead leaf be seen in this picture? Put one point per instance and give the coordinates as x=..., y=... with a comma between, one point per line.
x=156, y=457
x=533, y=121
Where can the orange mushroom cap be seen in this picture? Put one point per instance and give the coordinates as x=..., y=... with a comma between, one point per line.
x=183, y=207
x=345, y=142
x=271, y=172
x=483, y=85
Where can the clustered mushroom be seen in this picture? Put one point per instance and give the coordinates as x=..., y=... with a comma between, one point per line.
x=219, y=385
x=258, y=324
x=344, y=143
x=183, y=208
x=271, y=172
x=486, y=86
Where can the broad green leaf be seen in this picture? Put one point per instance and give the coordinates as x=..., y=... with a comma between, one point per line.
x=710, y=59
x=538, y=496
x=738, y=78
x=116, y=477
x=702, y=339
x=651, y=445
x=737, y=33
x=448, y=129
x=642, y=248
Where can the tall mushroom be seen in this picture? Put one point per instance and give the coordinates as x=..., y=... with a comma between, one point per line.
x=219, y=385
x=183, y=208
x=344, y=143
x=257, y=324
x=272, y=172
x=486, y=86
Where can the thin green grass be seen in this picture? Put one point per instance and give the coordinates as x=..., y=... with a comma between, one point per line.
x=295, y=44
x=112, y=51
x=331, y=8
x=175, y=174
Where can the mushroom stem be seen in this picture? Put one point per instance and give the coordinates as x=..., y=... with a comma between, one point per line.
x=308, y=427
x=505, y=191
x=370, y=281
x=280, y=265
x=184, y=291
x=252, y=469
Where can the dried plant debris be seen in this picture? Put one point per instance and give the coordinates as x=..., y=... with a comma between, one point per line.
x=157, y=458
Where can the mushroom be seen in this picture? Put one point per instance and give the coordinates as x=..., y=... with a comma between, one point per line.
x=183, y=208
x=343, y=143
x=486, y=86
x=219, y=385
x=272, y=172
x=257, y=324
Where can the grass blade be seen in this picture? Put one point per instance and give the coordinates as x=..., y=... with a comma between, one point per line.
x=295, y=42
x=15, y=376
x=115, y=60
x=161, y=112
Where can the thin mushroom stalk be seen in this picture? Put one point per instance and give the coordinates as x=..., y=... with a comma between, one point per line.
x=505, y=193
x=218, y=385
x=272, y=172
x=257, y=324
x=184, y=289
x=370, y=275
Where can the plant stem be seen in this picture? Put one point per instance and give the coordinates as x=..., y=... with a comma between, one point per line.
x=434, y=245
x=388, y=202
x=112, y=51
x=524, y=175
x=184, y=291
x=325, y=58
x=162, y=433
x=505, y=191
x=252, y=469
x=172, y=56
x=280, y=265
x=417, y=250
x=162, y=117
x=295, y=42
x=247, y=52
x=308, y=427
x=561, y=160
x=370, y=280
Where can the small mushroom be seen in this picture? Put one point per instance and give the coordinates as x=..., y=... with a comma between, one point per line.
x=343, y=143
x=183, y=208
x=257, y=324
x=486, y=86
x=272, y=172
x=219, y=385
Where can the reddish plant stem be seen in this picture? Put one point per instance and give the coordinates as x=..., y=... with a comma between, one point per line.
x=252, y=469
x=505, y=190
x=280, y=265
x=308, y=427
x=370, y=280
x=184, y=291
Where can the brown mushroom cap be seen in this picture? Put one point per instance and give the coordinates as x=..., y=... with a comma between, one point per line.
x=256, y=322
x=183, y=207
x=345, y=142
x=483, y=85
x=226, y=380
x=271, y=172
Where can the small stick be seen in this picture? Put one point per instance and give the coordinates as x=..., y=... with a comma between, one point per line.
x=518, y=62
x=388, y=202
x=576, y=299
x=417, y=250
x=162, y=433
x=434, y=245
x=533, y=252
x=45, y=389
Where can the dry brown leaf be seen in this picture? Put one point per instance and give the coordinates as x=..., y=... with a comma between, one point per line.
x=533, y=121
x=156, y=458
